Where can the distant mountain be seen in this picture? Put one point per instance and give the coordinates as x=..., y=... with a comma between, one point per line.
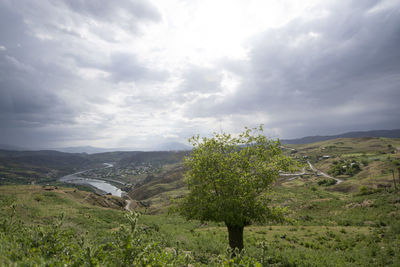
x=155, y=158
x=24, y=167
x=312, y=139
x=85, y=149
x=10, y=147
x=173, y=146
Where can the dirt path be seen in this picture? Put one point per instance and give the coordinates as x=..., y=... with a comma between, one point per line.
x=292, y=176
x=303, y=171
x=128, y=204
x=338, y=181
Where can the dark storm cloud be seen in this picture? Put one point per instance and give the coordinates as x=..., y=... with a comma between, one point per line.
x=41, y=45
x=26, y=93
x=328, y=74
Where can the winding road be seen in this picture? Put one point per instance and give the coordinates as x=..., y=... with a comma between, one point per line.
x=338, y=181
x=293, y=176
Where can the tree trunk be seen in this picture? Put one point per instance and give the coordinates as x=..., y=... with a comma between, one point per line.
x=235, y=236
x=399, y=173
x=394, y=180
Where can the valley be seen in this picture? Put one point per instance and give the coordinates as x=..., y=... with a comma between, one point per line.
x=342, y=204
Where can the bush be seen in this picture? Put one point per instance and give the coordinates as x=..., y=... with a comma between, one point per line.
x=345, y=168
x=364, y=162
x=56, y=246
x=363, y=191
x=327, y=182
x=131, y=245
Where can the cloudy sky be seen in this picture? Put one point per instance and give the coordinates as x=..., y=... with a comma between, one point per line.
x=135, y=73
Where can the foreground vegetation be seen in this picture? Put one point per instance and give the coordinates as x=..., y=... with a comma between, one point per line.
x=327, y=229
x=83, y=234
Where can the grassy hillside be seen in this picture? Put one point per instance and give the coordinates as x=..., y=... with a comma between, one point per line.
x=157, y=158
x=326, y=228
x=378, y=159
x=47, y=226
x=25, y=167
x=84, y=211
x=313, y=139
x=354, y=223
x=158, y=190
x=344, y=146
x=111, y=156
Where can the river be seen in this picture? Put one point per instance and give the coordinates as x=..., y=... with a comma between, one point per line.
x=101, y=185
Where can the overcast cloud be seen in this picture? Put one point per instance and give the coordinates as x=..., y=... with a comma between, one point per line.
x=137, y=73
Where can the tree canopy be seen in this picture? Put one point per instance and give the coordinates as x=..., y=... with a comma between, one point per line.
x=229, y=178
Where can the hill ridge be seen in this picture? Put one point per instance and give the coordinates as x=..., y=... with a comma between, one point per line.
x=395, y=133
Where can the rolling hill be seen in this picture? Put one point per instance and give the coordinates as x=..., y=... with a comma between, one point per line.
x=377, y=158
x=312, y=139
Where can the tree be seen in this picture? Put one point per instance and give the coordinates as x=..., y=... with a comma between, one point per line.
x=229, y=179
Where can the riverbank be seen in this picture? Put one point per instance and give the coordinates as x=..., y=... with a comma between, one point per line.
x=100, y=186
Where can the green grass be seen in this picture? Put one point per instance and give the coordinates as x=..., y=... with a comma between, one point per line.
x=34, y=205
x=327, y=228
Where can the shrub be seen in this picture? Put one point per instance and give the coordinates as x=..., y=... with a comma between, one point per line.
x=56, y=246
x=345, y=168
x=327, y=182
x=363, y=191
x=313, y=188
x=365, y=162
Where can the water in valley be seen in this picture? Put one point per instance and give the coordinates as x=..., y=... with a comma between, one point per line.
x=101, y=185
